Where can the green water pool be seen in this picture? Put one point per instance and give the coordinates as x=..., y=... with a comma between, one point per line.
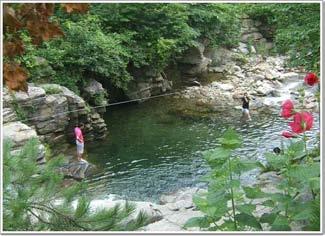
x=151, y=149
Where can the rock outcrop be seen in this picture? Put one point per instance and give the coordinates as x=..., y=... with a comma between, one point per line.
x=49, y=112
x=95, y=95
x=194, y=62
x=77, y=170
x=266, y=80
x=255, y=38
x=150, y=84
x=18, y=134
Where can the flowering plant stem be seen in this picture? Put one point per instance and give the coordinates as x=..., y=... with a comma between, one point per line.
x=232, y=196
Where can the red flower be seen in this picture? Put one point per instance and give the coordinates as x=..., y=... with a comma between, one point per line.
x=288, y=134
x=287, y=109
x=302, y=122
x=311, y=79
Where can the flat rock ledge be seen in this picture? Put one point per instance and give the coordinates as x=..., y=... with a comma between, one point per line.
x=175, y=209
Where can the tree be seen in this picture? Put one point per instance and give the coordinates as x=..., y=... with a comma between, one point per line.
x=34, y=18
x=34, y=198
x=297, y=30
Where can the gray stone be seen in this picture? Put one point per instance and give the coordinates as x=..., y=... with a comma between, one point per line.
x=18, y=133
x=181, y=217
x=289, y=76
x=271, y=74
x=217, y=69
x=258, y=77
x=93, y=87
x=9, y=115
x=225, y=87
x=77, y=170
x=245, y=38
x=33, y=93
x=264, y=89
x=162, y=225
x=138, y=90
x=219, y=56
x=92, y=91
x=193, y=55
x=243, y=48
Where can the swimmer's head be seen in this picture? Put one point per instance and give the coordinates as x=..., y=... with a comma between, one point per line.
x=277, y=150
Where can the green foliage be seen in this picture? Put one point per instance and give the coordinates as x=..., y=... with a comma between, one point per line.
x=300, y=177
x=113, y=40
x=224, y=188
x=34, y=198
x=216, y=22
x=100, y=98
x=232, y=203
x=50, y=89
x=20, y=112
x=87, y=50
x=296, y=30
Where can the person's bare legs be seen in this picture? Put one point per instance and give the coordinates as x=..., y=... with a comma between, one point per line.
x=245, y=116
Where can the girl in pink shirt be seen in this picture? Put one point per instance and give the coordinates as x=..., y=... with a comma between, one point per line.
x=79, y=141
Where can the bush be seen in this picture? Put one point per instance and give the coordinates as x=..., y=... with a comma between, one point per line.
x=34, y=198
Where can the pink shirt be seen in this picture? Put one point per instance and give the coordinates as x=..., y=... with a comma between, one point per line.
x=78, y=134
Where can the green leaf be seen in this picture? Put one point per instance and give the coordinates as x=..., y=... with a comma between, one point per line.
x=201, y=222
x=276, y=161
x=235, y=183
x=248, y=220
x=268, y=218
x=296, y=149
x=254, y=192
x=303, y=215
x=279, y=197
x=304, y=172
x=228, y=225
x=230, y=139
x=200, y=202
x=280, y=223
x=246, y=208
x=82, y=207
x=268, y=203
x=217, y=156
x=239, y=166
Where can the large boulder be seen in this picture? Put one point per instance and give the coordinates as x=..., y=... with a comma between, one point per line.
x=222, y=86
x=18, y=134
x=194, y=62
x=289, y=76
x=264, y=89
x=77, y=170
x=95, y=94
x=9, y=115
x=138, y=90
x=245, y=38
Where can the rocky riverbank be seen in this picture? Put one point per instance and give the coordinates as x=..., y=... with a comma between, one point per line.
x=175, y=209
x=267, y=81
x=48, y=113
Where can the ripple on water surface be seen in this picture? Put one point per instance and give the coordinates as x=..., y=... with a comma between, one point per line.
x=144, y=156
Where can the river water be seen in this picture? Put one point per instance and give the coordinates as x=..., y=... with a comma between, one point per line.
x=150, y=150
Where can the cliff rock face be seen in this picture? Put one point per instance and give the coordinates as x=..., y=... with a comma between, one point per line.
x=148, y=84
x=255, y=37
x=194, y=62
x=19, y=133
x=49, y=112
